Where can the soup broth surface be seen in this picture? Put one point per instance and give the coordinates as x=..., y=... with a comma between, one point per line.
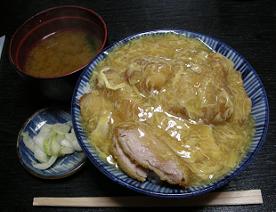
x=60, y=53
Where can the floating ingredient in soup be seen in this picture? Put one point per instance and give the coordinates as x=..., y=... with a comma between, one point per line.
x=60, y=53
x=169, y=105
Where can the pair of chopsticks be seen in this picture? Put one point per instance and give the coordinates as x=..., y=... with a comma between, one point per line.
x=246, y=197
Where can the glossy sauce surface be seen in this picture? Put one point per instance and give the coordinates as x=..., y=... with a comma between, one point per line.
x=178, y=91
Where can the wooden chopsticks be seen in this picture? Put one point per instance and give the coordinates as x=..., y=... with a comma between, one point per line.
x=246, y=197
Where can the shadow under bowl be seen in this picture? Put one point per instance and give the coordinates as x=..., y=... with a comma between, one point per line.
x=45, y=23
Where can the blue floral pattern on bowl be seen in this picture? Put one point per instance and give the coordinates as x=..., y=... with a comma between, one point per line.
x=64, y=166
x=253, y=87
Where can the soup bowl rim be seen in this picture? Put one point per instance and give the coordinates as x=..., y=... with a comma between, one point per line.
x=22, y=72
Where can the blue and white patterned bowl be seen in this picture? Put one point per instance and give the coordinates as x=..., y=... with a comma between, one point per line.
x=64, y=166
x=253, y=87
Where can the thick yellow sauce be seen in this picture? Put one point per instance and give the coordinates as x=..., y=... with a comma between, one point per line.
x=60, y=53
x=180, y=91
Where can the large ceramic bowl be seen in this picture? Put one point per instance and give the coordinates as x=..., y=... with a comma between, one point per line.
x=253, y=87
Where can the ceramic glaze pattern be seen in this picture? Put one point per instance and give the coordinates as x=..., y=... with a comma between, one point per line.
x=64, y=166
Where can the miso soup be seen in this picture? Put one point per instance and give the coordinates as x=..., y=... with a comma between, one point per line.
x=61, y=53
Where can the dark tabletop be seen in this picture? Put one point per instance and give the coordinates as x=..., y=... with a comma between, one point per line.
x=248, y=26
